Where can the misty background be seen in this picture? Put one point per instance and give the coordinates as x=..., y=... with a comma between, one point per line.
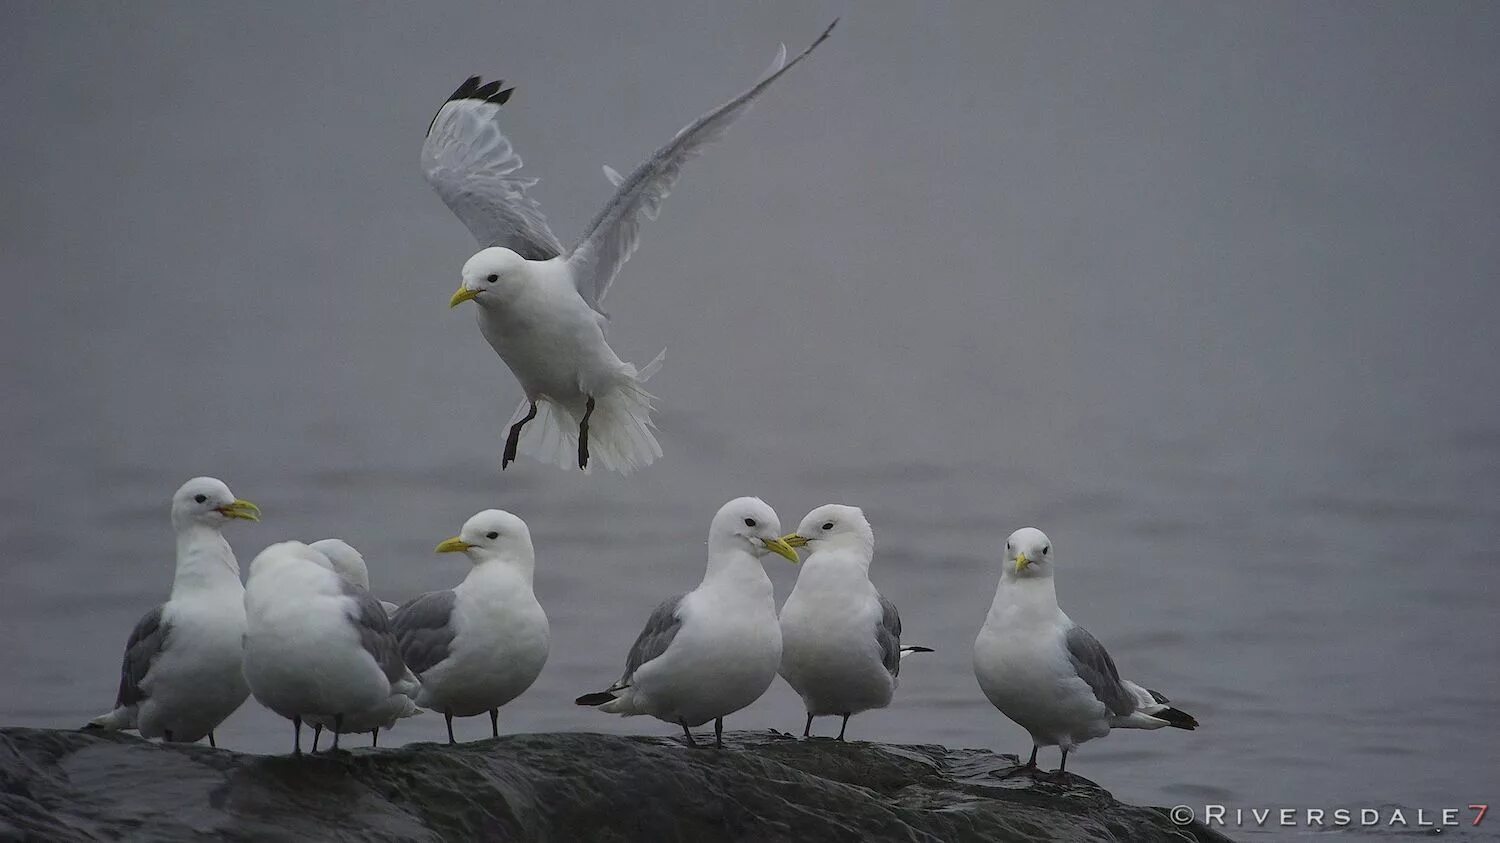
x=1206, y=291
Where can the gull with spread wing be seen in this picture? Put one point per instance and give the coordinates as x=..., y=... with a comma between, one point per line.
x=541, y=306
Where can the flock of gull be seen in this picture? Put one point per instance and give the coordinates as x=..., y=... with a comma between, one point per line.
x=305, y=635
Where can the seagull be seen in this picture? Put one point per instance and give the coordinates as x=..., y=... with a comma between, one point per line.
x=349, y=563
x=315, y=643
x=1049, y=674
x=181, y=677
x=714, y=650
x=541, y=306
x=840, y=639
x=479, y=645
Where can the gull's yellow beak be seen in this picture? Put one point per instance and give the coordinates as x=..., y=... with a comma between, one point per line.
x=794, y=540
x=781, y=547
x=240, y=509
x=1021, y=562
x=464, y=294
x=453, y=545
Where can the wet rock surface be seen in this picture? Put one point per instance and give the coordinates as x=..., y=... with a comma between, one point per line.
x=62, y=785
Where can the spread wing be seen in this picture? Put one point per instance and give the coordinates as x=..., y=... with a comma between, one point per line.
x=1094, y=666
x=424, y=629
x=615, y=232
x=888, y=636
x=147, y=641
x=472, y=166
x=375, y=632
x=654, y=639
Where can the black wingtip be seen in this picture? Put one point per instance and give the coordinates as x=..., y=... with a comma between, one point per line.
x=486, y=90
x=827, y=32
x=596, y=698
x=475, y=88
x=915, y=649
x=1177, y=718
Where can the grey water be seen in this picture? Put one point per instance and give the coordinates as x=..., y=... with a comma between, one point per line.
x=1206, y=291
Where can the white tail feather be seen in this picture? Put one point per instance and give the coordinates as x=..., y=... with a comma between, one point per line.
x=120, y=718
x=620, y=430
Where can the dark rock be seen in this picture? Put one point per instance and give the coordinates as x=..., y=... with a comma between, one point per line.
x=57, y=785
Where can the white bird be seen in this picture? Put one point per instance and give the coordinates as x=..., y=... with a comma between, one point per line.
x=349, y=563
x=1049, y=674
x=541, y=307
x=714, y=650
x=316, y=644
x=482, y=643
x=840, y=639
x=181, y=674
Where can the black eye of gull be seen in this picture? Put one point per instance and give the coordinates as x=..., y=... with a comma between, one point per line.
x=492, y=535
x=828, y=525
x=493, y=278
x=200, y=498
x=1045, y=549
x=749, y=522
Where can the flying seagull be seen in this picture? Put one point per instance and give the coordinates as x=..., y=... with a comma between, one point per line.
x=840, y=638
x=181, y=673
x=540, y=306
x=1049, y=674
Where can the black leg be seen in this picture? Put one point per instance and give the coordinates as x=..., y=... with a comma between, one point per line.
x=513, y=439
x=448, y=716
x=1064, y=767
x=211, y=739
x=583, y=434
x=317, y=735
x=375, y=736
x=807, y=730
x=494, y=722
x=844, y=726
x=687, y=733
x=719, y=732
x=1023, y=768
x=338, y=726
x=297, y=730
x=166, y=735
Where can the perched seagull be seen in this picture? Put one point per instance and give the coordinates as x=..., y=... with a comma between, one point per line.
x=714, y=650
x=315, y=643
x=181, y=674
x=541, y=307
x=1049, y=674
x=482, y=643
x=840, y=640
x=350, y=564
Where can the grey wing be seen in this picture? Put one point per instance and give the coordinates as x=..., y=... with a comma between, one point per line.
x=147, y=641
x=1094, y=666
x=655, y=637
x=424, y=628
x=888, y=636
x=472, y=166
x=614, y=234
x=375, y=632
